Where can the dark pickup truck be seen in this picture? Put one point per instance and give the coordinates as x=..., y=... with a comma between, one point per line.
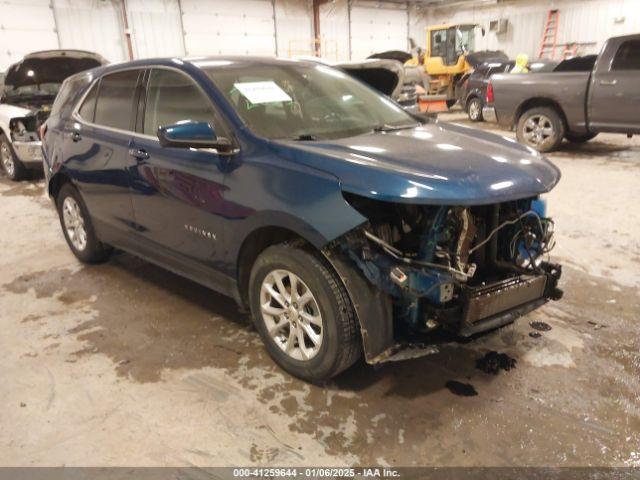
x=548, y=107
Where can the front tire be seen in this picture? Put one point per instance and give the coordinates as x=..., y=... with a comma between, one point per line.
x=13, y=168
x=541, y=128
x=474, y=109
x=579, y=137
x=303, y=313
x=77, y=227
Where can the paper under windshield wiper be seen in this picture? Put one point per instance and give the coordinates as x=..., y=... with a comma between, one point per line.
x=391, y=128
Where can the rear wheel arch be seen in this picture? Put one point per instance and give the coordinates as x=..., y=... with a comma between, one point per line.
x=57, y=182
x=541, y=127
x=474, y=98
x=540, y=102
x=469, y=98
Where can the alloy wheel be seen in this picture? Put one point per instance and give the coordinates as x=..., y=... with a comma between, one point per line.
x=74, y=223
x=538, y=131
x=474, y=109
x=291, y=314
x=7, y=159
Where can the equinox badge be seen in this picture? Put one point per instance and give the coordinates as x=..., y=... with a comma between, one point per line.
x=200, y=231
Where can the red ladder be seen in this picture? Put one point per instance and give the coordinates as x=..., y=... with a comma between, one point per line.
x=550, y=35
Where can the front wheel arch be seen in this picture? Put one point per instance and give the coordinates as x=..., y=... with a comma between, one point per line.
x=252, y=246
x=341, y=343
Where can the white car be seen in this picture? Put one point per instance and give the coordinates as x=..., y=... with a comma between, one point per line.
x=30, y=87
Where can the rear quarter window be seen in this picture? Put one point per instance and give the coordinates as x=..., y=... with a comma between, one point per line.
x=68, y=92
x=88, y=108
x=628, y=56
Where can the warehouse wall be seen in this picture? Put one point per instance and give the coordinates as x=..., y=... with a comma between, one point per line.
x=157, y=27
x=588, y=21
x=334, y=30
x=19, y=37
x=294, y=27
x=349, y=30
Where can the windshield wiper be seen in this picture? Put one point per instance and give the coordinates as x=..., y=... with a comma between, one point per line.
x=305, y=137
x=391, y=128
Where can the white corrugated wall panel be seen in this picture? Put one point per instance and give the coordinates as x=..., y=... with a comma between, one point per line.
x=93, y=25
x=242, y=27
x=156, y=29
x=25, y=26
x=334, y=31
x=586, y=21
x=294, y=24
x=376, y=29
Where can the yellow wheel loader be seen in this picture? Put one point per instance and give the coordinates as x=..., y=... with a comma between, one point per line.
x=448, y=59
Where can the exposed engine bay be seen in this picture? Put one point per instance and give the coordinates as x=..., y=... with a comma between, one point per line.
x=25, y=129
x=465, y=269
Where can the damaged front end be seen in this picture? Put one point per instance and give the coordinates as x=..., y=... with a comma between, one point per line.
x=25, y=139
x=458, y=268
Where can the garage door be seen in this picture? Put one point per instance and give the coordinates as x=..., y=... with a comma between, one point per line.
x=376, y=29
x=94, y=26
x=25, y=27
x=241, y=27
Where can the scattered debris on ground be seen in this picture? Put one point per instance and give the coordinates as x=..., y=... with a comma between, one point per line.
x=461, y=389
x=596, y=325
x=493, y=362
x=540, y=326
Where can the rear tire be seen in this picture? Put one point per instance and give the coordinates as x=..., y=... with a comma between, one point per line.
x=77, y=227
x=13, y=168
x=324, y=324
x=579, y=137
x=474, y=109
x=541, y=128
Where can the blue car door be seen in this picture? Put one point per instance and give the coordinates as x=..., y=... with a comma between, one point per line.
x=177, y=193
x=95, y=145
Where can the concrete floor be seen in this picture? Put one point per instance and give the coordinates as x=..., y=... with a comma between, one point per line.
x=127, y=364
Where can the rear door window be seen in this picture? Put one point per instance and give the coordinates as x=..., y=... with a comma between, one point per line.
x=173, y=97
x=628, y=56
x=114, y=106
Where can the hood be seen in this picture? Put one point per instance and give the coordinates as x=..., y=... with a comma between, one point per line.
x=386, y=76
x=52, y=66
x=476, y=58
x=436, y=163
x=13, y=111
x=399, y=55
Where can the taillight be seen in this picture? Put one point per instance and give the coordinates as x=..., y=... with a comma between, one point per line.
x=42, y=130
x=489, y=93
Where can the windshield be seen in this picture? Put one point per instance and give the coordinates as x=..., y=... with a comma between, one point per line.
x=465, y=39
x=305, y=102
x=43, y=89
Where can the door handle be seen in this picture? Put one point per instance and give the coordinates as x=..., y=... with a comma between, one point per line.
x=139, y=154
x=608, y=83
x=75, y=137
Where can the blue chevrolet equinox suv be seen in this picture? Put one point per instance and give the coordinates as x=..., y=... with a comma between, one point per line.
x=345, y=224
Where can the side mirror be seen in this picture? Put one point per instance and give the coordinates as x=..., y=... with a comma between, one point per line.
x=189, y=134
x=482, y=30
